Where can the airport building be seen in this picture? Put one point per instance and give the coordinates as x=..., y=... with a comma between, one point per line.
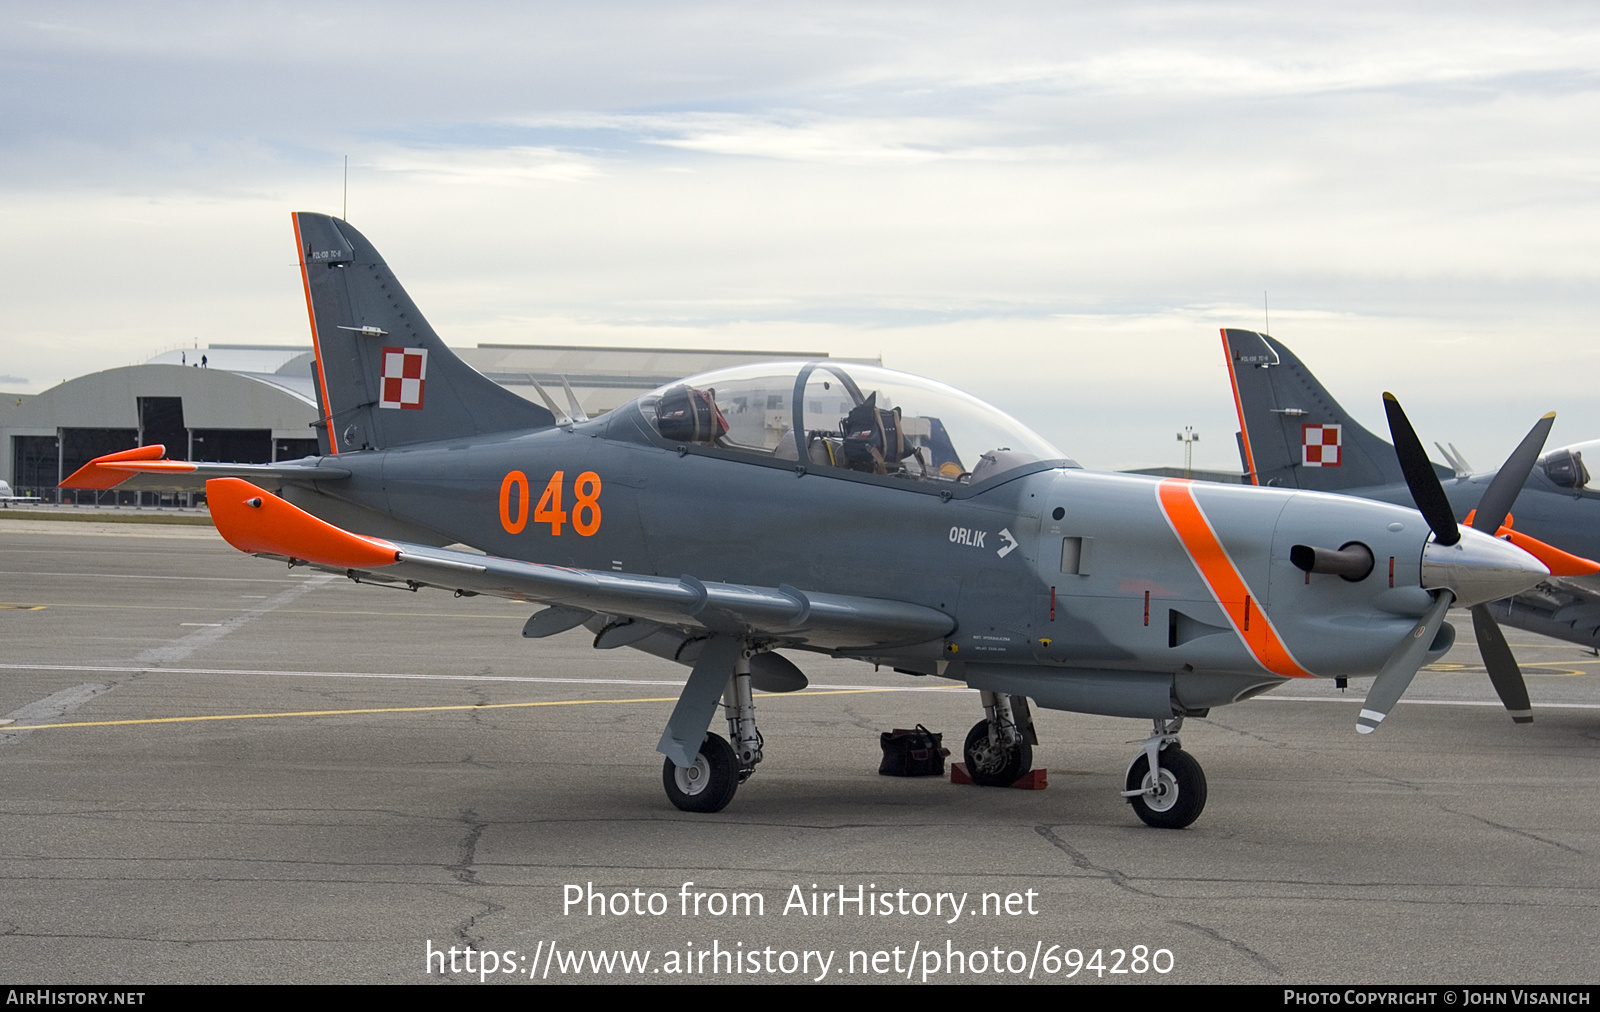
x=256, y=403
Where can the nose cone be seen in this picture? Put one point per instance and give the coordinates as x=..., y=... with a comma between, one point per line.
x=1479, y=568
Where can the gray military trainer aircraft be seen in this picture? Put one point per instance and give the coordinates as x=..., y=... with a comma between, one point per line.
x=1293, y=434
x=838, y=509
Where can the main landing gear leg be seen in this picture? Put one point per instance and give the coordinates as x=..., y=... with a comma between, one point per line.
x=740, y=708
x=999, y=748
x=1165, y=786
x=701, y=772
x=705, y=779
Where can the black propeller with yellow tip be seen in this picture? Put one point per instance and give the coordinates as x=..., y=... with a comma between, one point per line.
x=1434, y=506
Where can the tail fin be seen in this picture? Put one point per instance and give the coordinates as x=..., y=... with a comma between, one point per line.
x=383, y=377
x=1292, y=433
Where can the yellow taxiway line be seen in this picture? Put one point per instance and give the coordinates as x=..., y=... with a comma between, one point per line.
x=416, y=709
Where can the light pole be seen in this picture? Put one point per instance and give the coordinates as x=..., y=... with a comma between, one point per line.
x=1188, y=437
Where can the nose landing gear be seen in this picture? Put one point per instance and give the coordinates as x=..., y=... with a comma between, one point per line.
x=1165, y=785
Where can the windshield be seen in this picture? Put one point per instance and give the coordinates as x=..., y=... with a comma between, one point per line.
x=843, y=415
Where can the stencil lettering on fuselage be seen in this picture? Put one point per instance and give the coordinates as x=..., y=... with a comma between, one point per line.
x=967, y=536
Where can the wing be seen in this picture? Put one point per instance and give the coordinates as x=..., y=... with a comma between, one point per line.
x=256, y=521
x=144, y=469
x=1561, y=608
x=1566, y=606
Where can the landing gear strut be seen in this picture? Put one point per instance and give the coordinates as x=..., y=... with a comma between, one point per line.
x=1165, y=786
x=720, y=767
x=999, y=747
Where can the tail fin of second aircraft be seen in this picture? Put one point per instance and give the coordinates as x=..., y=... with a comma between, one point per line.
x=382, y=375
x=1292, y=433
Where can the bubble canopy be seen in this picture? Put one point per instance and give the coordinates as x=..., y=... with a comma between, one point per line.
x=844, y=415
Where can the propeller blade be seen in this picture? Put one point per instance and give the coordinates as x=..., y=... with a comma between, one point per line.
x=1420, y=476
x=1492, y=510
x=1503, y=669
x=1402, y=665
x=1502, y=492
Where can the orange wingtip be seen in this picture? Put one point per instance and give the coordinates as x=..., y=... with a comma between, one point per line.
x=1558, y=562
x=1510, y=522
x=254, y=520
x=105, y=472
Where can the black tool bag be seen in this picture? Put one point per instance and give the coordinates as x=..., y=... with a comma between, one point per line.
x=912, y=753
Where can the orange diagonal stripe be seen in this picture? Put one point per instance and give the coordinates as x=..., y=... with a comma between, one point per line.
x=1243, y=609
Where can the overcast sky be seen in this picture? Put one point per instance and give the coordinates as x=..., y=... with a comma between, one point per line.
x=1054, y=206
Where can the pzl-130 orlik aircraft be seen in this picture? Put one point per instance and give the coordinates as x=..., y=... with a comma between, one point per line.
x=839, y=509
x=1293, y=434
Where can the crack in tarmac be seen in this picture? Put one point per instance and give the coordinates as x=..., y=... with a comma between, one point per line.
x=468, y=849
x=1391, y=780
x=1082, y=861
x=1514, y=831
x=860, y=720
x=466, y=874
x=1274, y=742
x=1239, y=947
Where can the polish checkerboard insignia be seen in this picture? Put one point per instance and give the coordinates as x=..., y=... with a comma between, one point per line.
x=403, y=372
x=1319, y=445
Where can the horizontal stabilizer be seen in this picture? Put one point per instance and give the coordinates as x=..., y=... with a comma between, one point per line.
x=144, y=469
x=254, y=520
x=783, y=614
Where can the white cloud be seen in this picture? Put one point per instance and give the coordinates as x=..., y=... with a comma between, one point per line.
x=483, y=166
x=1056, y=205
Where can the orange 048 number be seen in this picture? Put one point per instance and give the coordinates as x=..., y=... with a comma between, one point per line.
x=585, y=516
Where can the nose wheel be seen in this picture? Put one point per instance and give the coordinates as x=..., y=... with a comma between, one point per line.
x=1165, y=785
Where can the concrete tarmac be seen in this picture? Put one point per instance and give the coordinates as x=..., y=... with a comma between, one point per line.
x=276, y=776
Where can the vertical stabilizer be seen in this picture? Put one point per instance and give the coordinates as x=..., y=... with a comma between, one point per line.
x=1293, y=434
x=382, y=375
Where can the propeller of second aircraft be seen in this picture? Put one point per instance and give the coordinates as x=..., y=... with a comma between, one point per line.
x=1491, y=513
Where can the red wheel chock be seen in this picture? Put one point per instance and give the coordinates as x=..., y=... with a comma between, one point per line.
x=1033, y=780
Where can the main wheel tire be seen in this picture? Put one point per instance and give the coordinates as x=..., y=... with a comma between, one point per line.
x=708, y=785
x=994, y=767
x=1182, y=793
